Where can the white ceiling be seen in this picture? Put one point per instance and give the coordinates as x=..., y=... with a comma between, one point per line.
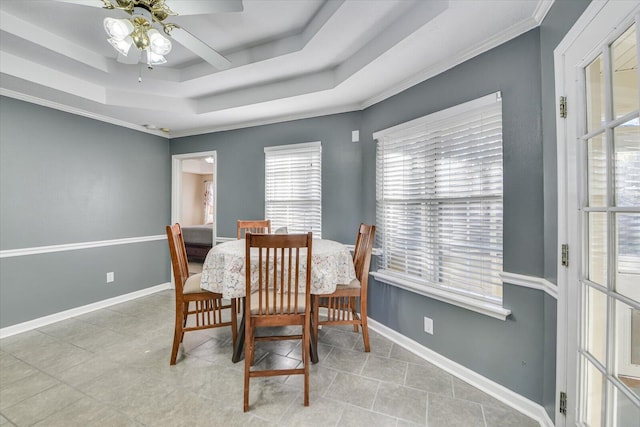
x=290, y=58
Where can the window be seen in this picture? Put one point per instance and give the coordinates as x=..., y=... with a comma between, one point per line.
x=293, y=187
x=439, y=202
x=208, y=202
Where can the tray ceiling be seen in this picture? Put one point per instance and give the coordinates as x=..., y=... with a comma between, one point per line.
x=290, y=58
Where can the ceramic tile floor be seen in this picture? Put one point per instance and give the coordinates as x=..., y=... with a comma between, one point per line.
x=111, y=368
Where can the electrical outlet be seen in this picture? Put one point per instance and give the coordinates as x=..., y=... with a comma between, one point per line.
x=110, y=277
x=428, y=325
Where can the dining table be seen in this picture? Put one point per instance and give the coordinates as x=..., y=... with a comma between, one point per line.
x=223, y=272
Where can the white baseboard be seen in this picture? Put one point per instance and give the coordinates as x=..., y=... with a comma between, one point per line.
x=56, y=317
x=503, y=394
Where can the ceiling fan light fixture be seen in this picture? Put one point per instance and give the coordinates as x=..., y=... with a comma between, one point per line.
x=154, y=58
x=118, y=28
x=158, y=44
x=123, y=46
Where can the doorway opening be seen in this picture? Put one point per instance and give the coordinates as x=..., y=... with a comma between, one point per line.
x=193, y=203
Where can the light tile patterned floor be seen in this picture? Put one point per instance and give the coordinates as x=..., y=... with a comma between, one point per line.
x=111, y=368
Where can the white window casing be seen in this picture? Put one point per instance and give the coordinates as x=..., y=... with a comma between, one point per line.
x=439, y=205
x=293, y=187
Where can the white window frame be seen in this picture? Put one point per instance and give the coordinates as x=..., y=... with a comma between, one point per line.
x=489, y=307
x=314, y=203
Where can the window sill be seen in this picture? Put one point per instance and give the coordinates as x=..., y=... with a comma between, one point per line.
x=488, y=309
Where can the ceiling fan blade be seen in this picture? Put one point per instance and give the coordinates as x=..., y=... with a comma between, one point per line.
x=92, y=3
x=133, y=57
x=196, y=7
x=200, y=48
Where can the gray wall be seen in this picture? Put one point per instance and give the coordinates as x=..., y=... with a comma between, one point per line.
x=240, y=178
x=69, y=179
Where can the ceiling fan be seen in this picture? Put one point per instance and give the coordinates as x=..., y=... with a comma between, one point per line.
x=136, y=39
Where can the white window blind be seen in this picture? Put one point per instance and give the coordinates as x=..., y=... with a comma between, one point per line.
x=439, y=199
x=293, y=187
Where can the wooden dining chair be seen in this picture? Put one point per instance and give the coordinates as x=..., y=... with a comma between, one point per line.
x=278, y=269
x=253, y=226
x=341, y=306
x=208, y=306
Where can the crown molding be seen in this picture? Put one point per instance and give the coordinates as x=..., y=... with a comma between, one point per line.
x=280, y=119
x=542, y=9
x=77, y=111
x=504, y=36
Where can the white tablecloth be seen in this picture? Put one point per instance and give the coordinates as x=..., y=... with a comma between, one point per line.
x=223, y=270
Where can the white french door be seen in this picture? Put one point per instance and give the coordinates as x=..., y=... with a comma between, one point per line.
x=599, y=217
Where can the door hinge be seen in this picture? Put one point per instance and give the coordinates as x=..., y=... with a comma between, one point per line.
x=563, y=403
x=563, y=107
x=565, y=255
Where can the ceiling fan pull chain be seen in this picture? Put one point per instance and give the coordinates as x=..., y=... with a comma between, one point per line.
x=140, y=74
x=147, y=51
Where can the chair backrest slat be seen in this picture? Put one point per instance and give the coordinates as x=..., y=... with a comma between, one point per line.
x=253, y=226
x=178, y=252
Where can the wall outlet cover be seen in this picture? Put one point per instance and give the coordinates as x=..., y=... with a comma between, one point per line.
x=428, y=325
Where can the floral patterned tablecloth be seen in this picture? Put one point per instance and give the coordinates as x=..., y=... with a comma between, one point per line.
x=223, y=270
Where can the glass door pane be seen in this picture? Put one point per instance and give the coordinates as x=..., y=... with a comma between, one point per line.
x=597, y=170
x=627, y=163
x=598, y=241
x=625, y=73
x=596, y=324
x=627, y=348
x=627, y=269
x=594, y=392
x=625, y=413
x=595, y=94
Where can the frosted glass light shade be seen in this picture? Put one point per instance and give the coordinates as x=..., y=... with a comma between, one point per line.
x=121, y=46
x=118, y=28
x=158, y=44
x=154, y=58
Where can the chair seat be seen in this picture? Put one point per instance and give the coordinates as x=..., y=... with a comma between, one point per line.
x=192, y=285
x=354, y=284
x=299, y=304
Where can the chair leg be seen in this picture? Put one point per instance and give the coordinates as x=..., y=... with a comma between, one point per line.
x=305, y=357
x=177, y=336
x=234, y=321
x=363, y=321
x=248, y=344
x=246, y=384
x=252, y=347
x=315, y=306
x=185, y=314
x=354, y=313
